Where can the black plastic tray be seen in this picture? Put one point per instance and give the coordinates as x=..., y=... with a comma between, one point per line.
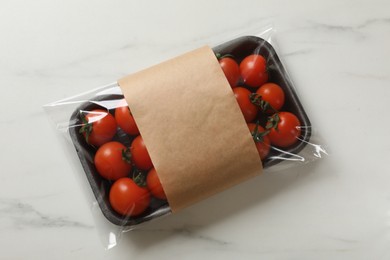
x=239, y=48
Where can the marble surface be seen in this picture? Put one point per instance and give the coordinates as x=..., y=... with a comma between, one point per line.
x=338, y=55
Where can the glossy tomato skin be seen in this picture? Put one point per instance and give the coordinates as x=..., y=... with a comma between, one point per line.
x=154, y=185
x=101, y=127
x=127, y=198
x=253, y=69
x=140, y=155
x=264, y=146
x=231, y=70
x=273, y=94
x=248, y=109
x=288, y=130
x=112, y=162
x=125, y=120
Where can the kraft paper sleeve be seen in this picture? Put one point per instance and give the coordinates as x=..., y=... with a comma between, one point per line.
x=192, y=127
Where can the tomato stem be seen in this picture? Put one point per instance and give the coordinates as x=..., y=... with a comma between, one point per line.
x=258, y=101
x=259, y=136
x=126, y=155
x=273, y=122
x=86, y=128
x=265, y=107
x=139, y=178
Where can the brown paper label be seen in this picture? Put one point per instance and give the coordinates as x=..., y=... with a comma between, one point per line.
x=192, y=127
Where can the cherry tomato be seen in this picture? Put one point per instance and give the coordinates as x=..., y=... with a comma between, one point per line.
x=99, y=127
x=127, y=198
x=253, y=70
x=288, y=130
x=112, y=160
x=125, y=119
x=263, y=145
x=231, y=70
x=248, y=109
x=154, y=185
x=140, y=155
x=273, y=94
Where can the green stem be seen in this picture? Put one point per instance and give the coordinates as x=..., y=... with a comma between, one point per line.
x=258, y=101
x=139, y=178
x=126, y=155
x=259, y=136
x=273, y=122
x=86, y=128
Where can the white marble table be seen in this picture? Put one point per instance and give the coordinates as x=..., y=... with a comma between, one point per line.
x=338, y=55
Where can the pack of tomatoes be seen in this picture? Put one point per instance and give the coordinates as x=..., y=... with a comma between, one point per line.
x=127, y=150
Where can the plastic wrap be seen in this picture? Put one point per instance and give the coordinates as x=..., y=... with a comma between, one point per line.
x=114, y=159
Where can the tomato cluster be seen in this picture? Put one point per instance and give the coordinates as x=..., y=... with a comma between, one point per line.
x=128, y=169
x=262, y=102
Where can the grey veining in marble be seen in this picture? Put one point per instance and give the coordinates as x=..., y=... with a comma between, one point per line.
x=338, y=56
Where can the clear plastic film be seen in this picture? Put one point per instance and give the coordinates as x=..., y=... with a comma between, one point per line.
x=114, y=157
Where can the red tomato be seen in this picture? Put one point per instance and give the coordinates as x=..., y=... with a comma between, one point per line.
x=154, y=185
x=140, y=155
x=125, y=120
x=231, y=70
x=248, y=109
x=112, y=161
x=99, y=127
x=287, y=132
x=127, y=198
x=263, y=145
x=273, y=94
x=254, y=70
